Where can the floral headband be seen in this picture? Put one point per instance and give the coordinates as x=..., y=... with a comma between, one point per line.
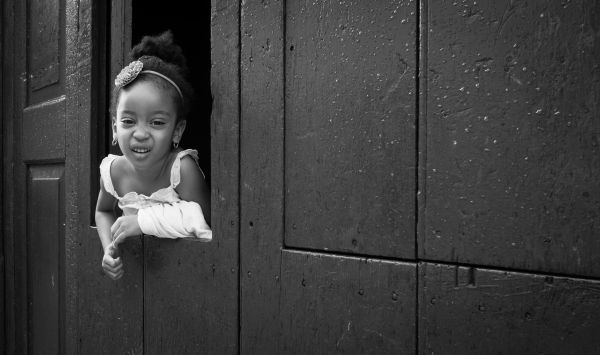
x=131, y=71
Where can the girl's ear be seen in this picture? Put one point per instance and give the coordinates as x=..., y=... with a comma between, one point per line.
x=178, y=132
x=114, y=126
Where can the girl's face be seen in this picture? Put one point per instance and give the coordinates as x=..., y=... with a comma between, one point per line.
x=146, y=124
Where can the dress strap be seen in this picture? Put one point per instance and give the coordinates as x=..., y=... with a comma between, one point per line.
x=105, y=174
x=176, y=168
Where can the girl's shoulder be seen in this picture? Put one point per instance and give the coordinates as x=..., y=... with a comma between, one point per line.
x=186, y=161
x=112, y=172
x=113, y=166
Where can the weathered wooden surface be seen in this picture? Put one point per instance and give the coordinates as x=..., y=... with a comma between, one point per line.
x=261, y=174
x=3, y=212
x=190, y=298
x=110, y=315
x=331, y=304
x=477, y=311
x=44, y=253
x=8, y=109
x=44, y=35
x=39, y=201
x=512, y=134
x=350, y=126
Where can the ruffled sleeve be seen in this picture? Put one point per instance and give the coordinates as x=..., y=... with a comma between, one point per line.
x=176, y=168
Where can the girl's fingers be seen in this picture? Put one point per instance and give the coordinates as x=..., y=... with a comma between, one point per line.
x=116, y=232
x=115, y=275
x=115, y=226
x=113, y=269
x=110, y=261
x=117, y=237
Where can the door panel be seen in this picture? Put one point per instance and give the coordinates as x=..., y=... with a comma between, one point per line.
x=39, y=121
x=333, y=304
x=295, y=173
x=350, y=126
x=39, y=206
x=472, y=310
x=45, y=61
x=44, y=237
x=512, y=135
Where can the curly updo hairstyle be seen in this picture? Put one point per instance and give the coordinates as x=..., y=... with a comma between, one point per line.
x=162, y=55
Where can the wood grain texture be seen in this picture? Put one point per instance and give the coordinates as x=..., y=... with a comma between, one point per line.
x=478, y=311
x=261, y=174
x=39, y=296
x=8, y=109
x=512, y=146
x=44, y=37
x=350, y=126
x=40, y=122
x=45, y=231
x=331, y=304
x=3, y=212
x=190, y=298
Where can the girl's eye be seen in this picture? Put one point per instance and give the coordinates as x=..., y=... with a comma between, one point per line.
x=158, y=123
x=126, y=121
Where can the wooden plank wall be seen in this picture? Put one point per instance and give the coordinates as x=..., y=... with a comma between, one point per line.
x=509, y=219
x=318, y=161
x=507, y=155
x=350, y=127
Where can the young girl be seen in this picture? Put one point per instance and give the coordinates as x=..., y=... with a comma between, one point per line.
x=158, y=186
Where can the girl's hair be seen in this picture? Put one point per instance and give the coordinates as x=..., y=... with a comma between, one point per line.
x=162, y=55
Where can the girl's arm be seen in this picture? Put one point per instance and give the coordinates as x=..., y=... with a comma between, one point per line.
x=105, y=216
x=193, y=187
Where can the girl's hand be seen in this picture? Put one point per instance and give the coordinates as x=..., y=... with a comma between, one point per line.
x=112, y=266
x=125, y=227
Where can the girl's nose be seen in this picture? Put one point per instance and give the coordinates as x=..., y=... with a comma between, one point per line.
x=140, y=133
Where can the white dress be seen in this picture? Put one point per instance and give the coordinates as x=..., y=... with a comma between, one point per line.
x=163, y=213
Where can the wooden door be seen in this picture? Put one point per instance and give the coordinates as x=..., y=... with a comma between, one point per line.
x=509, y=219
x=45, y=112
x=328, y=177
x=462, y=199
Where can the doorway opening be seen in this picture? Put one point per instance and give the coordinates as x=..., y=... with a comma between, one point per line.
x=190, y=23
x=121, y=25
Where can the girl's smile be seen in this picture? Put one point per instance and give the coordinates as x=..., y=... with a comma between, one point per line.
x=146, y=124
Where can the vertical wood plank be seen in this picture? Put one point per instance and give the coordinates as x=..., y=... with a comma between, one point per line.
x=261, y=173
x=8, y=109
x=478, y=311
x=3, y=212
x=512, y=147
x=225, y=161
x=190, y=298
x=120, y=38
x=350, y=126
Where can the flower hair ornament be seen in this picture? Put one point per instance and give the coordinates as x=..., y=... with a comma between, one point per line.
x=131, y=71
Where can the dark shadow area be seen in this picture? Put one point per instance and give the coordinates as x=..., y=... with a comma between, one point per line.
x=190, y=23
